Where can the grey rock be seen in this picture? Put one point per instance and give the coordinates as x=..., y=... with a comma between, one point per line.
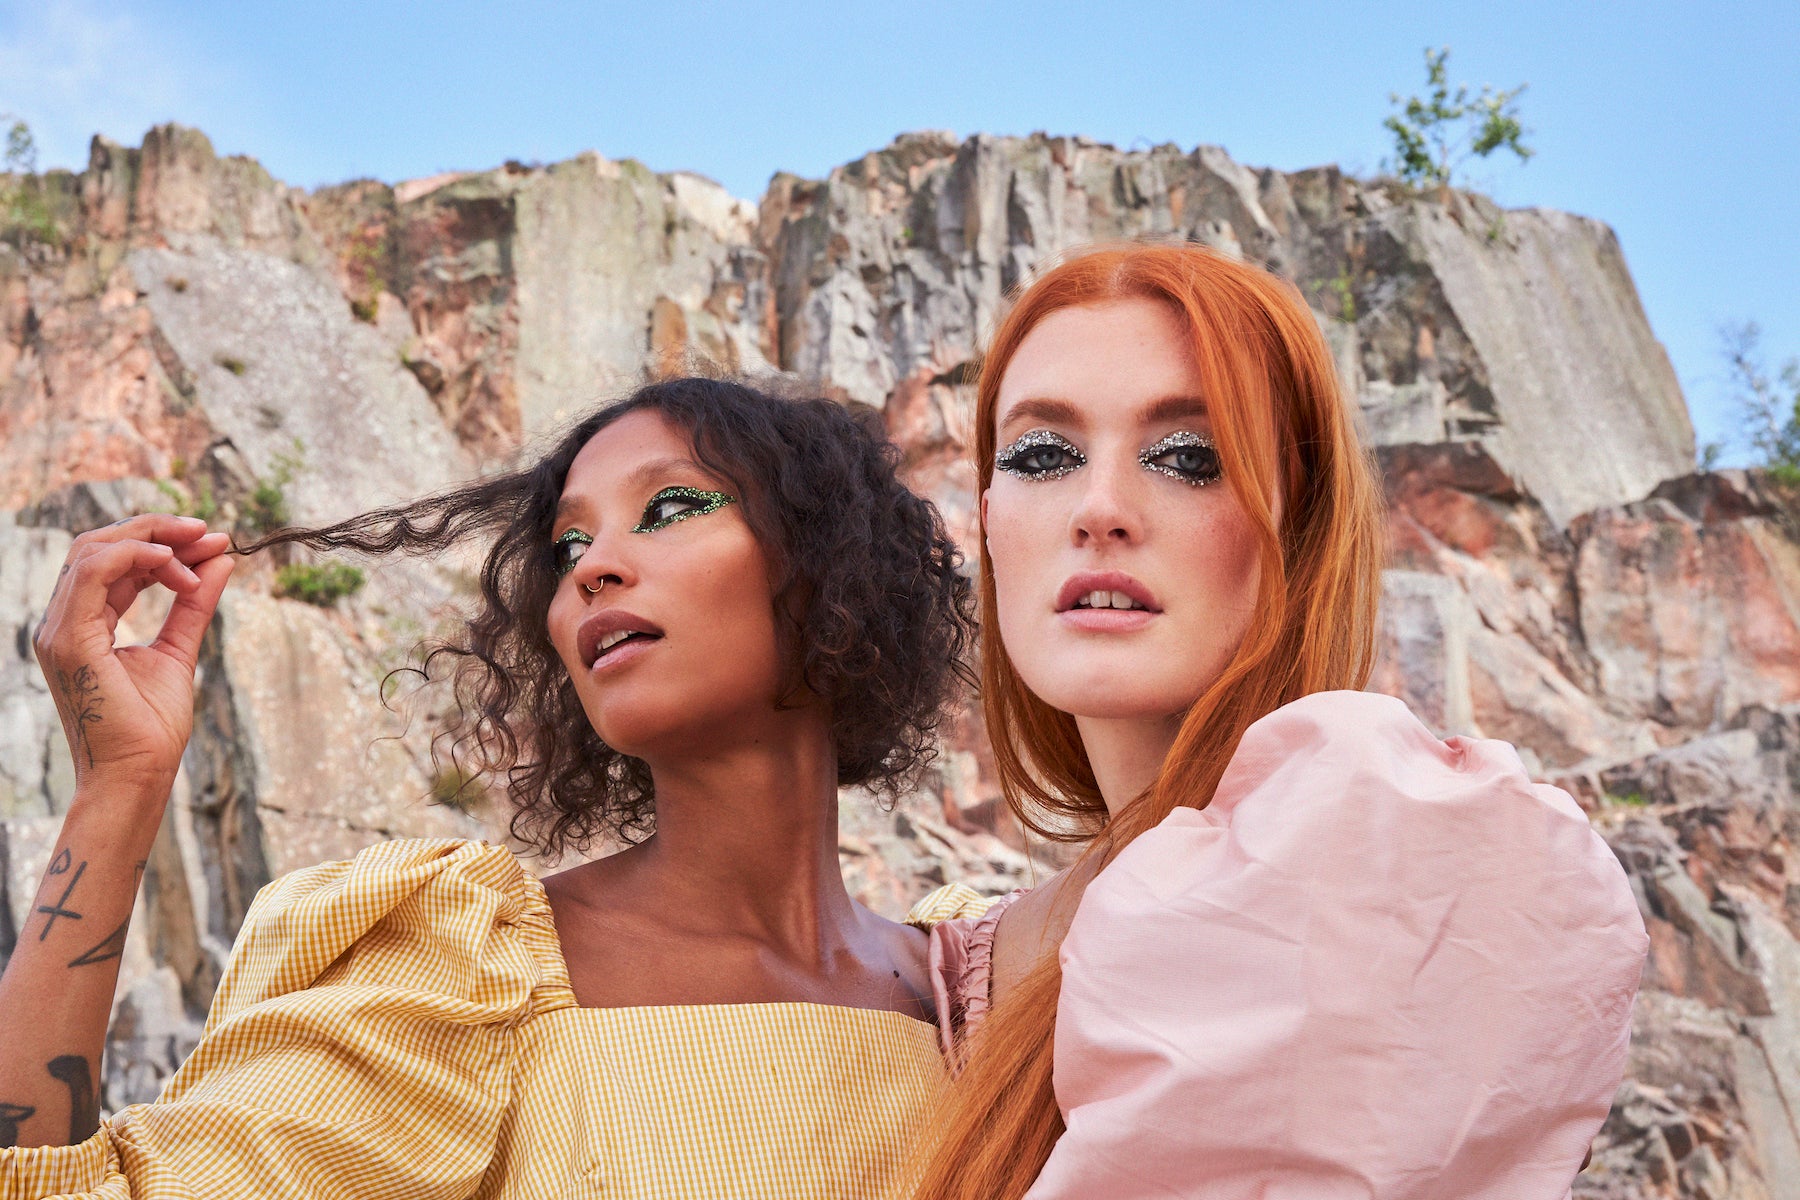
x=1585, y=404
x=93, y=503
x=1399, y=414
x=1426, y=623
x=36, y=778
x=284, y=372
x=598, y=245
x=152, y=1034
x=1521, y=329
x=327, y=767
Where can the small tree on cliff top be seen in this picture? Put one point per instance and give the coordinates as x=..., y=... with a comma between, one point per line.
x=21, y=147
x=1769, y=407
x=24, y=212
x=1435, y=135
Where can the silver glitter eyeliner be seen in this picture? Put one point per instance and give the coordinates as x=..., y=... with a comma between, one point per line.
x=709, y=502
x=1182, y=440
x=1031, y=441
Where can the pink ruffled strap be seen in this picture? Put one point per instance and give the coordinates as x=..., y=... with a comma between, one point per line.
x=962, y=956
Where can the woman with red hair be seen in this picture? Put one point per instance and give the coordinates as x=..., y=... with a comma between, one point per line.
x=1310, y=950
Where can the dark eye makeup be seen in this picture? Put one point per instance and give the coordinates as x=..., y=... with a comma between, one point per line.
x=668, y=506
x=1184, y=455
x=1040, y=455
x=674, y=504
x=567, y=550
x=1044, y=454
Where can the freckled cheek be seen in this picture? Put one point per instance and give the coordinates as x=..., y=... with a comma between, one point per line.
x=1022, y=540
x=1225, y=571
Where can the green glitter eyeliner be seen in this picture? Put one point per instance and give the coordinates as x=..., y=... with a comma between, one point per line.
x=560, y=558
x=703, y=502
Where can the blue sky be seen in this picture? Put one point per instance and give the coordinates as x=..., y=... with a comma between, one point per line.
x=1679, y=124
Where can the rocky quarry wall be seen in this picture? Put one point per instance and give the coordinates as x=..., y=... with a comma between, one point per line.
x=182, y=330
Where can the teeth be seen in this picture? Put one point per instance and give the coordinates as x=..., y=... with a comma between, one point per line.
x=1107, y=600
x=613, y=639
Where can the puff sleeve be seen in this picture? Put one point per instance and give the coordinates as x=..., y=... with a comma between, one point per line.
x=360, y=1043
x=1379, y=965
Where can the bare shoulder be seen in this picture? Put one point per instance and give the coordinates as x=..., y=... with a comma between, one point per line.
x=906, y=946
x=612, y=939
x=1033, y=926
x=600, y=887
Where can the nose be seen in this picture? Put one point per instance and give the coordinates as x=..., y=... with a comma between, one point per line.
x=600, y=564
x=1107, y=513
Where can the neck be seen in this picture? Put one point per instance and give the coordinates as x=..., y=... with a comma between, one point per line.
x=746, y=839
x=1126, y=754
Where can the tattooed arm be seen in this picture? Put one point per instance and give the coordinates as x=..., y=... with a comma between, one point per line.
x=128, y=712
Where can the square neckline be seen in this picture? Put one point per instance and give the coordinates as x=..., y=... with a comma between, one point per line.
x=756, y=1005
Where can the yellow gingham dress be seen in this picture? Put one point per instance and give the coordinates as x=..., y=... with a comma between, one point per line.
x=401, y=1025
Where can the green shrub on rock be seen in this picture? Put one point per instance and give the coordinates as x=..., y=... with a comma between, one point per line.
x=265, y=509
x=323, y=584
x=454, y=787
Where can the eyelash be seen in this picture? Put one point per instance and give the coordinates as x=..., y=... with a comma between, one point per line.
x=569, y=537
x=704, y=502
x=1016, y=459
x=1204, y=473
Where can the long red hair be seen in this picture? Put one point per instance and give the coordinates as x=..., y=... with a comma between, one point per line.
x=1282, y=429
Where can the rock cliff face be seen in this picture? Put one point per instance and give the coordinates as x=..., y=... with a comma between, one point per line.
x=191, y=333
x=1455, y=321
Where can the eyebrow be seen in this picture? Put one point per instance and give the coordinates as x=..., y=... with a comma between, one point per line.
x=1170, y=408
x=1044, y=409
x=639, y=476
x=1052, y=411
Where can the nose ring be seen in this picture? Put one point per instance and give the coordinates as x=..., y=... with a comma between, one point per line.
x=593, y=591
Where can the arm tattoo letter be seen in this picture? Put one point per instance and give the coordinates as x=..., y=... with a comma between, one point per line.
x=11, y=1116
x=60, y=909
x=84, y=1105
x=113, y=944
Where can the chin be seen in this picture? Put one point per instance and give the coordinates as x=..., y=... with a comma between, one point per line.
x=630, y=726
x=1113, y=695
x=1126, y=708
x=659, y=718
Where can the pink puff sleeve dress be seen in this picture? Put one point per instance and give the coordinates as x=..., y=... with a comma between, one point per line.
x=1379, y=966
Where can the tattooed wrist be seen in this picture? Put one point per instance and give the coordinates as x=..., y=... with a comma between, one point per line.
x=82, y=701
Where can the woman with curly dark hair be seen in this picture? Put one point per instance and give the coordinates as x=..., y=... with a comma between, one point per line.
x=703, y=611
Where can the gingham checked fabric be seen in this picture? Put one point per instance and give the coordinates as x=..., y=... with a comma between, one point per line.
x=401, y=1025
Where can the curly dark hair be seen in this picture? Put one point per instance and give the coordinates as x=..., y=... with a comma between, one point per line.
x=884, y=625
